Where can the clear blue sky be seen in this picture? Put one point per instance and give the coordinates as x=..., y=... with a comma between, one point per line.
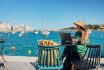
x=52, y=13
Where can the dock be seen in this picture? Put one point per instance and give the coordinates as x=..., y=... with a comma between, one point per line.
x=25, y=63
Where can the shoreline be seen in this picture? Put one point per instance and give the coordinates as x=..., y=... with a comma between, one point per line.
x=61, y=30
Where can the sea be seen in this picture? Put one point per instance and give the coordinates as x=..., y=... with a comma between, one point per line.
x=26, y=44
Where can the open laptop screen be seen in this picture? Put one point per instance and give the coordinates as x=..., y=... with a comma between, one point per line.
x=66, y=38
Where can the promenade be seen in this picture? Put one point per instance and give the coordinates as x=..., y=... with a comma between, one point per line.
x=19, y=63
x=26, y=63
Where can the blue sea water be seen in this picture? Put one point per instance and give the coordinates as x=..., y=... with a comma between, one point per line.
x=28, y=42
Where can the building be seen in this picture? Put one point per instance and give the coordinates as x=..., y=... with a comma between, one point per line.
x=7, y=27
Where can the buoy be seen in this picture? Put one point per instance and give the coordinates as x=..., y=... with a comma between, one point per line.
x=29, y=51
x=13, y=48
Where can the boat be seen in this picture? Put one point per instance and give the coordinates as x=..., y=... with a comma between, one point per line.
x=35, y=32
x=89, y=31
x=13, y=32
x=21, y=34
x=45, y=32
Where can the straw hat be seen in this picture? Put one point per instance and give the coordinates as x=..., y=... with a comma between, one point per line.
x=81, y=24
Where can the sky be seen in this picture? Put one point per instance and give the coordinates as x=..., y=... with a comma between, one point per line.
x=51, y=13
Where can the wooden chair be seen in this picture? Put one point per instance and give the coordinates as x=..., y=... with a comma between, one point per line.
x=91, y=60
x=49, y=58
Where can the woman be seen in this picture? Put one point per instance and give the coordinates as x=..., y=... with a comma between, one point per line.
x=76, y=51
x=81, y=34
x=81, y=38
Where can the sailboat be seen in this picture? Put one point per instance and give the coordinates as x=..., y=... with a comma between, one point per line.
x=23, y=30
x=21, y=34
x=89, y=31
x=35, y=32
x=13, y=30
x=45, y=32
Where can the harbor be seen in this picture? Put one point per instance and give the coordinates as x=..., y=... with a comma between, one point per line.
x=24, y=55
x=51, y=35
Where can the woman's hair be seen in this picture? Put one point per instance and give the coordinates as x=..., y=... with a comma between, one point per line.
x=85, y=36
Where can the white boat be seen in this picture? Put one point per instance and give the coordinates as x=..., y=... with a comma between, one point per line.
x=35, y=32
x=89, y=31
x=13, y=32
x=45, y=33
x=21, y=34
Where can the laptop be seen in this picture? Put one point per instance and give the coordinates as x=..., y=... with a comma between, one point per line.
x=66, y=39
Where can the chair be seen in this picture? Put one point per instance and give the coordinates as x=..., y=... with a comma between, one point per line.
x=3, y=62
x=49, y=58
x=91, y=60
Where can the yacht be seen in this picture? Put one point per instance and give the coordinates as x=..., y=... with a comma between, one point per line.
x=21, y=34
x=35, y=32
x=45, y=33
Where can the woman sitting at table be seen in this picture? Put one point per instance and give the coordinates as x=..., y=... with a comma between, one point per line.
x=76, y=51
